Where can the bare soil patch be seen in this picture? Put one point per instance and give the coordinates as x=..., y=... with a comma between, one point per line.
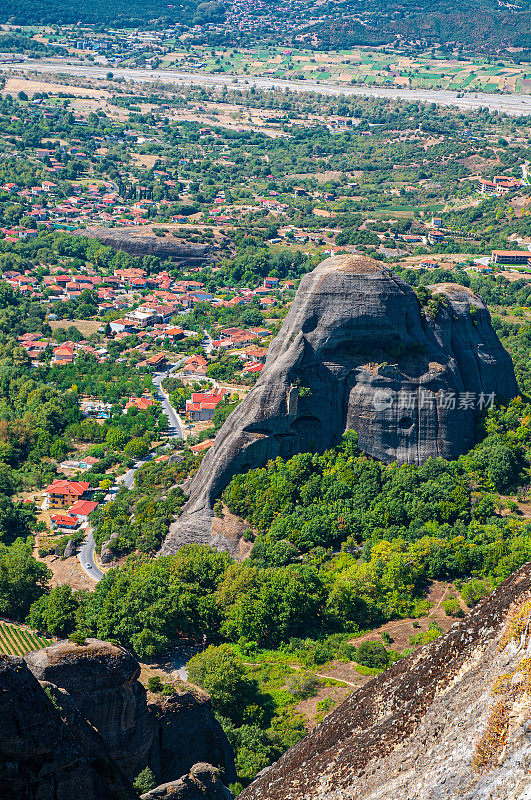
x=84, y=326
x=15, y=85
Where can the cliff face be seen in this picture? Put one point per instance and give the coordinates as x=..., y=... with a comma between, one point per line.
x=357, y=352
x=187, y=732
x=169, y=735
x=44, y=757
x=451, y=721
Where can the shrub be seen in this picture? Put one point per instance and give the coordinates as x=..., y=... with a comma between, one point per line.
x=474, y=590
x=77, y=638
x=452, y=608
x=302, y=686
x=372, y=654
x=145, y=781
x=155, y=684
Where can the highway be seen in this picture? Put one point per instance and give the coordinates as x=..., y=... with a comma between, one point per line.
x=512, y=104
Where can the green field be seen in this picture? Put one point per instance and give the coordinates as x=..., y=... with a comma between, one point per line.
x=358, y=66
x=17, y=641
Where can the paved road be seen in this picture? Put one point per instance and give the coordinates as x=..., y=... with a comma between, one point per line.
x=86, y=557
x=86, y=553
x=513, y=104
x=175, y=427
x=207, y=342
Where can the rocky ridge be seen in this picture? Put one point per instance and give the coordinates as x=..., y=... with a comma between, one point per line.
x=185, y=255
x=450, y=722
x=357, y=351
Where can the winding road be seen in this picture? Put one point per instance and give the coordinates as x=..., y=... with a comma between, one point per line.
x=512, y=104
x=86, y=552
x=175, y=426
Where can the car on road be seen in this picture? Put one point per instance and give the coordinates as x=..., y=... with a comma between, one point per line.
x=88, y=566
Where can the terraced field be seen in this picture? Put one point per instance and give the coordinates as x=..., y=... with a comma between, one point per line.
x=17, y=641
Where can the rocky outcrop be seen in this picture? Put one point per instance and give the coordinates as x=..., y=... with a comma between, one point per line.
x=169, y=735
x=75, y=725
x=357, y=351
x=185, y=255
x=450, y=721
x=46, y=756
x=102, y=680
x=202, y=783
x=70, y=549
x=187, y=732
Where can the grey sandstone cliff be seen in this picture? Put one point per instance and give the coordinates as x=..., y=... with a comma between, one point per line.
x=450, y=722
x=185, y=255
x=356, y=351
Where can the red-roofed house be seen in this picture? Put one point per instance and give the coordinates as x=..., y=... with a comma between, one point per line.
x=62, y=493
x=142, y=403
x=64, y=521
x=82, y=508
x=202, y=405
x=195, y=365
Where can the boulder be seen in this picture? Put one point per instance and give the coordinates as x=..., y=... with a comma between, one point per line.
x=202, y=783
x=357, y=352
x=70, y=549
x=102, y=680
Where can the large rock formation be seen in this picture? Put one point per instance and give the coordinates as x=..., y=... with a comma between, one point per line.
x=187, y=732
x=451, y=722
x=357, y=351
x=183, y=254
x=83, y=730
x=46, y=751
x=169, y=736
x=102, y=680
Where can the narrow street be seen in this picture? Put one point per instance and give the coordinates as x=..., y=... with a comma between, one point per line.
x=86, y=557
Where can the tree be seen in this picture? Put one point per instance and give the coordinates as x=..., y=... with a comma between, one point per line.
x=116, y=438
x=220, y=671
x=372, y=654
x=145, y=781
x=55, y=612
x=155, y=684
x=22, y=579
x=136, y=448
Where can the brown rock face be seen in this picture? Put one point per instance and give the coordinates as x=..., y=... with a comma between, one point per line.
x=46, y=757
x=357, y=352
x=451, y=722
